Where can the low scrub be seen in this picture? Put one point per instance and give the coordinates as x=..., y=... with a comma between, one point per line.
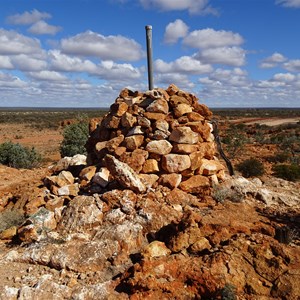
x=251, y=167
x=287, y=172
x=18, y=156
x=9, y=218
x=75, y=138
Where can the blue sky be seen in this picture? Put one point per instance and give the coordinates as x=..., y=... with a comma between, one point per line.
x=82, y=53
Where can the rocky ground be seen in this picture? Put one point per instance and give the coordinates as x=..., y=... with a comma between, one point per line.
x=82, y=234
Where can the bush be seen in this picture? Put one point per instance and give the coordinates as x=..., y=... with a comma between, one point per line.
x=287, y=172
x=9, y=218
x=251, y=167
x=75, y=138
x=18, y=156
x=280, y=157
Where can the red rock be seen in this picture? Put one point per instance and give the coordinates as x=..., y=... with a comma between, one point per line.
x=195, y=184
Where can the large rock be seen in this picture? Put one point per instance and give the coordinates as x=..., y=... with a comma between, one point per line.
x=124, y=174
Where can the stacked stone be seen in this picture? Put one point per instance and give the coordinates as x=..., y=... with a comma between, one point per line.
x=160, y=137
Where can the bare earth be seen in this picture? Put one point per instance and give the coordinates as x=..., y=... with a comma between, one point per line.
x=24, y=185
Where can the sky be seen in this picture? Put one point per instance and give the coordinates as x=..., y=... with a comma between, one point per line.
x=82, y=53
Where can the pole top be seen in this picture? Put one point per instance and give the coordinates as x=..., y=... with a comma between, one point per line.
x=148, y=27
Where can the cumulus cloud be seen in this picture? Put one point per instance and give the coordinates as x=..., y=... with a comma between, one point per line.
x=65, y=63
x=47, y=75
x=41, y=27
x=26, y=63
x=184, y=64
x=10, y=81
x=284, y=77
x=192, y=6
x=28, y=18
x=231, y=56
x=210, y=38
x=5, y=62
x=12, y=42
x=289, y=3
x=111, y=47
x=174, y=31
x=272, y=61
x=292, y=65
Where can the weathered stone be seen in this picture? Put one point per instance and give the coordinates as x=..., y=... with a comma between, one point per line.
x=175, y=100
x=114, y=143
x=150, y=166
x=54, y=203
x=202, y=128
x=175, y=163
x=87, y=173
x=143, y=122
x=161, y=147
x=184, y=135
x=154, y=116
x=172, y=89
x=124, y=174
x=200, y=245
x=135, y=159
x=160, y=135
x=118, y=109
x=149, y=180
x=155, y=249
x=128, y=120
x=172, y=181
x=111, y=122
x=195, y=184
x=182, y=109
x=135, y=130
x=119, y=151
x=194, y=117
x=133, y=142
x=185, y=148
x=209, y=167
x=102, y=177
x=66, y=176
x=83, y=213
x=68, y=190
x=162, y=125
x=8, y=233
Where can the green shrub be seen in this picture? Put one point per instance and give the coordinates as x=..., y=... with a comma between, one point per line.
x=9, y=218
x=75, y=138
x=251, y=167
x=18, y=156
x=228, y=292
x=279, y=157
x=287, y=172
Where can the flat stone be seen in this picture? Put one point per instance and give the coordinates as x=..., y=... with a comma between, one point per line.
x=118, y=109
x=184, y=148
x=87, y=173
x=175, y=163
x=210, y=167
x=184, y=135
x=182, y=109
x=161, y=147
x=195, y=184
x=154, y=116
x=155, y=249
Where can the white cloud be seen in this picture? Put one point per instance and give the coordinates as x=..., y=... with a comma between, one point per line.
x=41, y=27
x=47, y=76
x=5, y=62
x=292, y=65
x=65, y=63
x=174, y=31
x=192, y=6
x=210, y=38
x=28, y=18
x=272, y=61
x=27, y=63
x=231, y=56
x=184, y=64
x=289, y=3
x=12, y=42
x=105, y=47
x=10, y=81
x=284, y=77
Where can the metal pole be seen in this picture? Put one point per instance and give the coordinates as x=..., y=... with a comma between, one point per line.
x=149, y=56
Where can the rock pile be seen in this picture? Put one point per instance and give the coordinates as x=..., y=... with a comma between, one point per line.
x=161, y=137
